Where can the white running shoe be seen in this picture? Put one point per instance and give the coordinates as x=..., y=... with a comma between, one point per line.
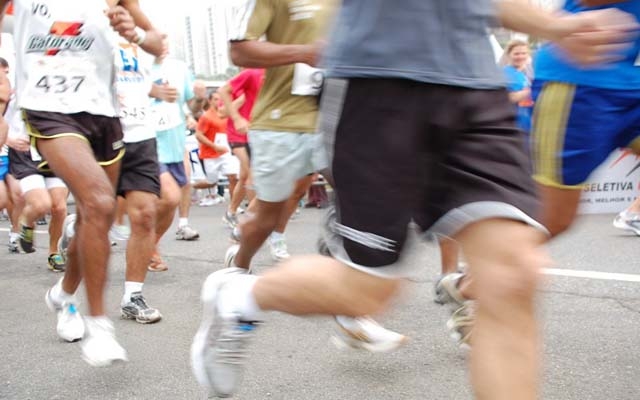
x=187, y=233
x=365, y=333
x=100, y=348
x=628, y=221
x=70, y=326
x=461, y=323
x=230, y=255
x=278, y=249
x=206, y=202
x=219, y=348
x=447, y=291
x=119, y=232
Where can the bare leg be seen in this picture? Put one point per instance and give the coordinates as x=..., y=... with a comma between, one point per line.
x=559, y=207
x=37, y=203
x=58, y=214
x=169, y=200
x=93, y=190
x=256, y=229
x=141, y=207
x=240, y=189
x=504, y=258
x=308, y=285
x=449, y=250
x=121, y=210
x=301, y=188
x=185, y=191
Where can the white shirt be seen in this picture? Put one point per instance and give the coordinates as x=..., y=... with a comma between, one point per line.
x=64, y=56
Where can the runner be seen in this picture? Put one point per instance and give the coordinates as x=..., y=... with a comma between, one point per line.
x=460, y=169
x=65, y=87
x=173, y=89
x=215, y=152
x=239, y=96
x=580, y=117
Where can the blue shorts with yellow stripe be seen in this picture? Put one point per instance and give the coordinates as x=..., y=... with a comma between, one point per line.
x=576, y=127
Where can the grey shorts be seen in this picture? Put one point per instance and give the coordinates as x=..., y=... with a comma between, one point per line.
x=279, y=159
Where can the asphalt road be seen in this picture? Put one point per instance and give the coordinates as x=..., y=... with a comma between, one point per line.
x=591, y=328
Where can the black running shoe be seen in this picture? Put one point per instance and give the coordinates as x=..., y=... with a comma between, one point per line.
x=26, y=239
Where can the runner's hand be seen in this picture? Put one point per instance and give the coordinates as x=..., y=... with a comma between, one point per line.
x=598, y=36
x=220, y=149
x=241, y=125
x=164, y=92
x=19, y=144
x=122, y=22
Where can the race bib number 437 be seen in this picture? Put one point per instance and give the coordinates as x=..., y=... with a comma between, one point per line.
x=53, y=80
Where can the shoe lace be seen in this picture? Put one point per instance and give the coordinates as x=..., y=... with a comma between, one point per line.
x=231, y=346
x=139, y=302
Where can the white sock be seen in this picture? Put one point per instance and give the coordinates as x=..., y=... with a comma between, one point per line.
x=129, y=288
x=182, y=222
x=237, y=297
x=59, y=295
x=275, y=236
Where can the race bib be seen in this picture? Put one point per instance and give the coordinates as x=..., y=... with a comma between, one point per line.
x=166, y=116
x=307, y=80
x=60, y=80
x=222, y=140
x=130, y=115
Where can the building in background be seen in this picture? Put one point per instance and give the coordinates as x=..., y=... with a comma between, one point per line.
x=197, y=33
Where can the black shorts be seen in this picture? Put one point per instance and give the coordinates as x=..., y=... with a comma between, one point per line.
x=140, y=171
x=441, y=156
x=238, y=145
x=104, y=134
x=22, y=165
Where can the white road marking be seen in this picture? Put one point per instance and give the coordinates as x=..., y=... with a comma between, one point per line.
x=7, y=230
x=603, y=276
x=572, y=273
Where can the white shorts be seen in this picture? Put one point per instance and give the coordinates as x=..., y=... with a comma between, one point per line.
x=279, y=159
x=33, y=182
x=225, y=165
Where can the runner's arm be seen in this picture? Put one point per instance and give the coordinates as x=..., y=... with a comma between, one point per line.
x=263, y=54
x=196, y=103
x=153, y=39
x=229, y=104
x=589, y=37
x=203, y=139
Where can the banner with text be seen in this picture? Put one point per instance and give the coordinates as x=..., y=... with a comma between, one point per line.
x=613, y=186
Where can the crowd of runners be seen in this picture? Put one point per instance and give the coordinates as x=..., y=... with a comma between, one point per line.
x=356, y=95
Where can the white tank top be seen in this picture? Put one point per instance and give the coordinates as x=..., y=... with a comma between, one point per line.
x=64, y=56
x=133, y=83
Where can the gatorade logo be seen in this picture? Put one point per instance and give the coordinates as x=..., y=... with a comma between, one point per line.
x=63, y=36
